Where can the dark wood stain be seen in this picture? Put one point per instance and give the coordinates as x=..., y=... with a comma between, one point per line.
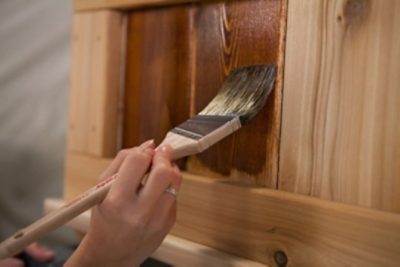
x=157, y=73
x=177, y=60
x=229, y=35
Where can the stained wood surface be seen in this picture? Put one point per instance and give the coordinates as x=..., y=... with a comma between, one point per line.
x=157, y=73
x=86, y=5
x=341, y=106
x=257, y=223
x=178, y=59
x=95, y=83
x=230, y=35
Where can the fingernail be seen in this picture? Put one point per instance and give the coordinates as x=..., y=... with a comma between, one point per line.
x=149, y=151
x=165, y=149
x=149, y=143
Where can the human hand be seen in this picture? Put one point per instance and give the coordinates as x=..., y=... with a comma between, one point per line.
x=34, y=250
x=132, y=221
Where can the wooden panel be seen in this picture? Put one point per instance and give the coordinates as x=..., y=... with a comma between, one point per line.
x=228, y=35
x=341, y=127
x=95, y=83
x=81, y=173
x=82, y=5
x=158, y=71
x=175, y=251
x=178, y=59
x=268, y=225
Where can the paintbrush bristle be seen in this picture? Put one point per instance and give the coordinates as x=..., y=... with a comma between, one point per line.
x=243, y=93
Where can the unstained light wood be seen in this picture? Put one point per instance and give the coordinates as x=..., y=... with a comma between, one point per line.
x=82, y=172
x=97, y=46
x=255, y=222
x=341, y=105
x=174, y=250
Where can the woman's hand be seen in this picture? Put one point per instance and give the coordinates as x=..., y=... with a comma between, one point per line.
x=132, y=221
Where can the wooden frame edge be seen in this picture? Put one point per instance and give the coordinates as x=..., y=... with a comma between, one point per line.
x=257, y=223
x=96, y=82
x=87, y=5
x=174, y=250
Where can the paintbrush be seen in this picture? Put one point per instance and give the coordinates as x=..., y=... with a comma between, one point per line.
x=241, y=97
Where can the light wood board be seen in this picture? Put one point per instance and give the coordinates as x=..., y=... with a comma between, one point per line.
x=341, y=104
x=176, y=251
x=256, y=223
x=97, y=47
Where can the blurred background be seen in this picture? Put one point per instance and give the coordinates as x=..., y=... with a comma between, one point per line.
x=34, y=80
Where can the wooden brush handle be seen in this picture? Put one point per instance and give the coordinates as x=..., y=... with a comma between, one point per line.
x=13, y=245
x=16, y=243
x=182, y=146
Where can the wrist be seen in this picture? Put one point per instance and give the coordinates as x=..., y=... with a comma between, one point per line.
x=91, y=253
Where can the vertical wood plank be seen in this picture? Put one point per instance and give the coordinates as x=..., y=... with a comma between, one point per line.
x=231, y=34
x=158, y=73
x=95, y=82
x=79, y=87
x=341, y=106
x=82, y=172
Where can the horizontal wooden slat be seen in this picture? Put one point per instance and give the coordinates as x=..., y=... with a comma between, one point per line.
x=174, y=250
x=259, y=223
x=84, y=5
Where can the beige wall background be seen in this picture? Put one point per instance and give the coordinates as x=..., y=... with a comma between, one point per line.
x=34, y=80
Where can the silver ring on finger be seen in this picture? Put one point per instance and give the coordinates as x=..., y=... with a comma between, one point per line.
x=171, y=191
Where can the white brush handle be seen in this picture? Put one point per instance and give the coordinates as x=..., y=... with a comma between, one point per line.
x=182, y=146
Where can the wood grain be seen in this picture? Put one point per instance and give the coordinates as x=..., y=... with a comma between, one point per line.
x=341, y=106
x=175, y=251
x=81, y=173
x=95, y=83
x=85, y=5
x=231, y=34
x=257, y=223
x=158, y=73
x=178, y=58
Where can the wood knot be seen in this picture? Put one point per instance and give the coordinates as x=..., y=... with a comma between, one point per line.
x=280, y=258
x=354, y=10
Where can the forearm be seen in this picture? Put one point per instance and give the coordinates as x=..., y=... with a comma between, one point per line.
x=85, y=256
x=133, y=219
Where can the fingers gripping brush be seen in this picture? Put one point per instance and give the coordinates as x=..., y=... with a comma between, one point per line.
x=241, y=97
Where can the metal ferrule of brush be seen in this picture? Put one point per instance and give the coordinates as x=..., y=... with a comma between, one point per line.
x=221, y=132
x=208, y=129
x=200, y=132
x=241, y=97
